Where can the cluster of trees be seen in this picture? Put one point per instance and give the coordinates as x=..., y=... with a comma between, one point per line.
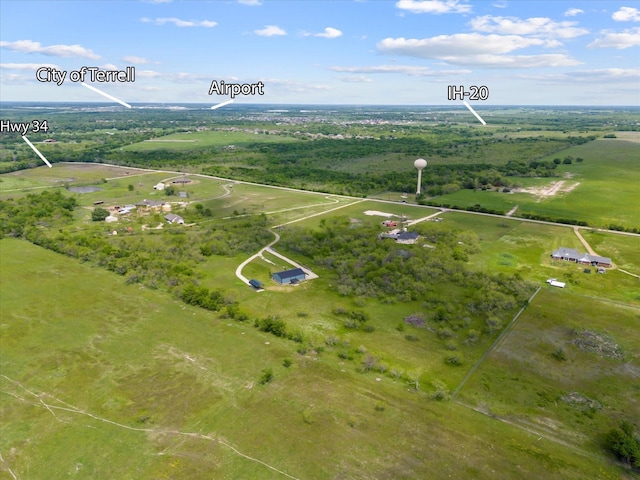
x=160, y=259
x=20, y=216
x=624, y=443
x=367, y=266
x=202, y=297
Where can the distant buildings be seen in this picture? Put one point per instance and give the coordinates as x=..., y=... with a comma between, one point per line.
x=150, y=204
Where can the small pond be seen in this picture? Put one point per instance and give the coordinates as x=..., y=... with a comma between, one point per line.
x=85, y=189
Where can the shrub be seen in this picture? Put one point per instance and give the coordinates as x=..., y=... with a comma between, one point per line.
x=559, y=354
x=453, y=359
x=99, y=214
x=624, y=444
x=266, y=377
x=287, y=362
x=272, y=325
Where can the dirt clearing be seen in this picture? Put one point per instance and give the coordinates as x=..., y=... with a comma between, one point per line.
x=554, y=188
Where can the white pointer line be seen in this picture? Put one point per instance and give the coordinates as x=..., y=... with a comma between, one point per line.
x=474, y=112
x=37, y=151
x=105, y=95
x=222, y=104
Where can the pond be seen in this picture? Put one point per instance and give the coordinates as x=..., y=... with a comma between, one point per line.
x=85, y=189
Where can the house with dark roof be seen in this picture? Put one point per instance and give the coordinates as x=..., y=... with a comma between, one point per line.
x=563, y=253
x=150, y=204
x=408, y=238
x=293, y=276
x=572, y=255
x=173, y=218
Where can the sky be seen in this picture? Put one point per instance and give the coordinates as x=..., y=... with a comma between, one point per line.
x=380, y=52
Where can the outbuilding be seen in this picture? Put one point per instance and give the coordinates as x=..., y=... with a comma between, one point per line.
x=289, y=276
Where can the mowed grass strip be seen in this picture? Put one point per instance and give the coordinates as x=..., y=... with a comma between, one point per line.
x=206, y=139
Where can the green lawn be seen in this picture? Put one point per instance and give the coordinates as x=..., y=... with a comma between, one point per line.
x=206, y=139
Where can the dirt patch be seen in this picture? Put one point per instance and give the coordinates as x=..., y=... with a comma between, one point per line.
x=598, y=343
x=379, y=214
x=415, y=320
x=554, y=188
x=580, y=401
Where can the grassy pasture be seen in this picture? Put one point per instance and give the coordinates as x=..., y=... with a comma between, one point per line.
x=187, y=382
x=606, y=192
x=207, y=139
x=522, y=382
x=511, y=246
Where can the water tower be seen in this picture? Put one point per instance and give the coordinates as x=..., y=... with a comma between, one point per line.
x=420, y=164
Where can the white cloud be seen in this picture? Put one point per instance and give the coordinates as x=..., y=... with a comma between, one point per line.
x=148, y=74
x=549, y=60
x=474, y=49
x=270, y=31
x=434, y=6
x=294, y=87
x=251, y=3
x=135, y=60
x=356, y=79
x=26, y=66
x=620, y=41
x=329, y=32
x=109, y=66
x=180, y=23
x=608, y=74
x=536, y=26
x=572, y=12
x=29, y=46
x=626, y=14
x=501, y=4
x=157, y=1
x=597, y=76
x=414, y=71
x=15, y=79
x=459, y=44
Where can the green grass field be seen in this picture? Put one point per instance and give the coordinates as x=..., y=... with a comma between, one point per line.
x=105, y=380
x=606, y=193
x=207, y=139
x=522, y=382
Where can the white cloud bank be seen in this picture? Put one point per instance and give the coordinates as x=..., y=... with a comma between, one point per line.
x=270, y=31
x=436, y=7
x=180, y=23
x=29, y=46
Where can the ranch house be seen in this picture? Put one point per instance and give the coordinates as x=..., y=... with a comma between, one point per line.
x=572, y=255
